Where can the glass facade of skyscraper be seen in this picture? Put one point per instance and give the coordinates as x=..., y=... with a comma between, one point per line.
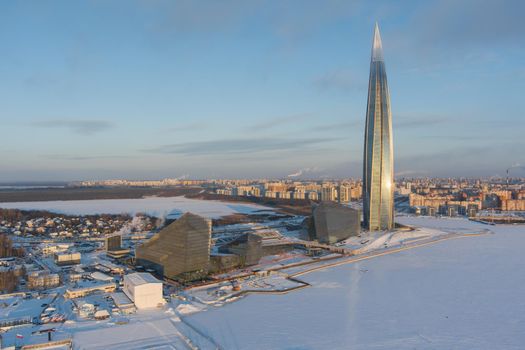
x=378, y=161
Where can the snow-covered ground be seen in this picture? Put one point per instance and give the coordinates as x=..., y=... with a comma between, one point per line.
x=156, y=206
x=148, y=334
x=458, y=294
x=221, y=292
x=368, y=242
x=17, y=307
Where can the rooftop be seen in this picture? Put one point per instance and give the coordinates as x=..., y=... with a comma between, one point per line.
x=139, y=278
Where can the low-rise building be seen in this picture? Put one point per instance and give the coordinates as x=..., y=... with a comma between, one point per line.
x=513, y=204
x=49, y=249
x=312, y=195
x=123, y=303
x=67, y=258
x=248, y=247
x=144, y=290
x=82, y=291
x=42, y=280
x=101, y=315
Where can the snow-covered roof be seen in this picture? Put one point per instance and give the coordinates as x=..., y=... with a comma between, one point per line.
x=139, y=278
x=101, y=276
x=102, y=313
x=121, y=299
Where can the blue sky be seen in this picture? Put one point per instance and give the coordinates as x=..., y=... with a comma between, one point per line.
x=152, y=89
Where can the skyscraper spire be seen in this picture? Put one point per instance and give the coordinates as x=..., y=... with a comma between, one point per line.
x=378, y=160
x=377, y=46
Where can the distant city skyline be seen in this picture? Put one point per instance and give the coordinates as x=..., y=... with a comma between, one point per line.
x=162, y=89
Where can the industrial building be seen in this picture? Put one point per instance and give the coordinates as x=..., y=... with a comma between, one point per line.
x=108, y=267
x=247, y=250
x=123, y=303
x=67, y=258
x=144, y=290
x=114, y=249
x=82, y=291
x=333, y=222
x=181, y=250
x=222, y=262
x=113, y=241
x=248, y=247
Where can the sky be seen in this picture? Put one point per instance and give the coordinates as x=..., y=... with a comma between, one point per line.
x=150, y=89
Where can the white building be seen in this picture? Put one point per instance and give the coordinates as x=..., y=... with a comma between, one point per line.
x=143, y=289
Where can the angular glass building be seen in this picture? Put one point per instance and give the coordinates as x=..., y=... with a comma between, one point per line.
x=378, y=160
x=180, y=250
x=334, y=222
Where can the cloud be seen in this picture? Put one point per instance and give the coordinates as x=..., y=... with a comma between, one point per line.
x=279, y=121
x=40, y=79
x=470, y=160
x=289, y=21
x=344, y=126
x=418, y=120
x=465, y=30
x=399, y=122
x=471, y=22
x=296, y=21
x=340, y=79
x=455, y=137
x=186, y=16
x=239, y=146
x=80, y=158
x=463, y=161
x=83, y=127
x=195, y=126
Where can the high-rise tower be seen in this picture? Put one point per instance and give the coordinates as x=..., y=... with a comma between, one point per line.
x=378, y=160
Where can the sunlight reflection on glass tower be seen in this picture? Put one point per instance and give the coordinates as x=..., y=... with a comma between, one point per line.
x=378, y=160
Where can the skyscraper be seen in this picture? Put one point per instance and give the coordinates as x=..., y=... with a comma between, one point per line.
x=378, y=159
